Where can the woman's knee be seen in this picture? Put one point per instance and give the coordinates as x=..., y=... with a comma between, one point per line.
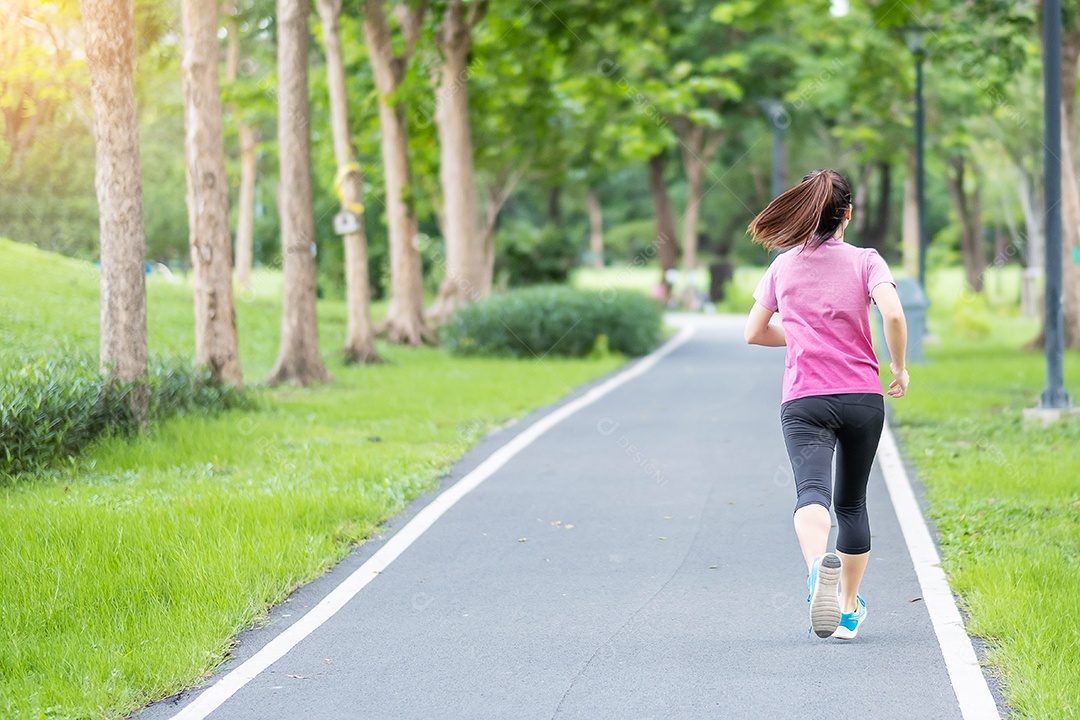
x=848, y=508
x=813, y=495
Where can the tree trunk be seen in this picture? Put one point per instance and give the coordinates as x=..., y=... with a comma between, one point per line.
x=554, y=211
x=667, y=250
x=208, y=195
x=1031, y=204
x=109, y=35
x=872, y=215
x=245, y=212
x=1033, y=242
x=877, y=226
x=1070, y=192
x=757, y=178
x=596, y=228
x=298, y=359
x=910, y=229
x=860, y=203
x=698, y=146
x=496, y=196
x=404, y=321
x=359, y=333
x=969, y=213
x=491, y=217
x=464, y=278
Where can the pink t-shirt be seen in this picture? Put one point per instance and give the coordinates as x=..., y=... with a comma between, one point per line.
x=823, y=297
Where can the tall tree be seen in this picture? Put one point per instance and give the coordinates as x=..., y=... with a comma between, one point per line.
x=698, y=144
x=216, y=344
x=850, y=82
x=465, y=267
x=596, y=227
x=872, y=209
x=967, y=199
x=1070, y=186
x=667, y=248
x=699, y=66
x=359, y=333
x=298, y=359
x=109, y=32
x=404, y=321
x=512, y=123
x=245, y=210
x=39, y=71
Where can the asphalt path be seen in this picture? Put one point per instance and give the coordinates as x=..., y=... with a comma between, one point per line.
x=636, y=561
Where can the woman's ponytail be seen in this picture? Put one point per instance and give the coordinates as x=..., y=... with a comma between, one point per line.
x=810, y=212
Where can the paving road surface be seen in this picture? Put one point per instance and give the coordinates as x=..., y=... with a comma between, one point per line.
x=636, y=561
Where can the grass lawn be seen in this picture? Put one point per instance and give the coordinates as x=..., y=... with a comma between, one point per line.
x=124, y=575
x=1005, y=497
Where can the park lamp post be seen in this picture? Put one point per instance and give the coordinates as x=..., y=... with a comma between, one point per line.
x=1054, y=397
x=913, y=38
x=780, y=120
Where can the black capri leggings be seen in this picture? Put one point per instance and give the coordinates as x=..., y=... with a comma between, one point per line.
x=850, y=423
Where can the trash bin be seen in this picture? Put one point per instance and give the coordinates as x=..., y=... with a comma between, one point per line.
x=915, y=305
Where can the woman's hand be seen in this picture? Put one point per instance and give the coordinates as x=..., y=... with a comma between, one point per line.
x=898, y=387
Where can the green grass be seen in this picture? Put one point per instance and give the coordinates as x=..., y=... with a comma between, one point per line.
x=124, y=576
x=49, y=304
x=1005, y=496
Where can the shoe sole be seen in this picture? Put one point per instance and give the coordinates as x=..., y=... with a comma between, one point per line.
x=824, y=604
x=842, y=633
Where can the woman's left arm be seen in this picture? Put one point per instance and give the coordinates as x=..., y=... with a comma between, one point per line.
x=759, y=331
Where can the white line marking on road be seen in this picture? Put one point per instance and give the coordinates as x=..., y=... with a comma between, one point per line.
x=969, y=684
x=214, y=696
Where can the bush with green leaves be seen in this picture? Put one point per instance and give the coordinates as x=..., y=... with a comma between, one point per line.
x=631, y=243
x=555, y=320
x=52, y=408
x=529, y=255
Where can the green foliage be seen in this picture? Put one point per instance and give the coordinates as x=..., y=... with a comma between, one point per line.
x=554, y=320
x=970, y=316
x=527, y=255
x=944, y=251
x=631, y=242
x=49, y=194
x=52, y=408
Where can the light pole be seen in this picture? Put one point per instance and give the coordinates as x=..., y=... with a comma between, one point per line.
x=1055, y=395
x=913, y=37
x=780, y=120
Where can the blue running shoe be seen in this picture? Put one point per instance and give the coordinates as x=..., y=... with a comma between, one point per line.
x=850, y=622
x=824, y=601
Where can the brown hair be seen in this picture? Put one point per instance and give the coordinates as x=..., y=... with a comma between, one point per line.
x=808, y=213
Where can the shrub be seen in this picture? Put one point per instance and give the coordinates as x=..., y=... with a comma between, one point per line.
x=527, y=255
x=554, y=320
x=971, y=316
x=53, y=408
x=632, y=242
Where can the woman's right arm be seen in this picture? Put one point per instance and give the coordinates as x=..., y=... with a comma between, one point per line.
x=759, y=331
x=895, y=326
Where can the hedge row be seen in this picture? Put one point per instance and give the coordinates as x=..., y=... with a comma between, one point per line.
x=52, y=408
x=555, y=320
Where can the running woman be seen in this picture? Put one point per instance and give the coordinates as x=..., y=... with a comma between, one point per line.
x=832, y=399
